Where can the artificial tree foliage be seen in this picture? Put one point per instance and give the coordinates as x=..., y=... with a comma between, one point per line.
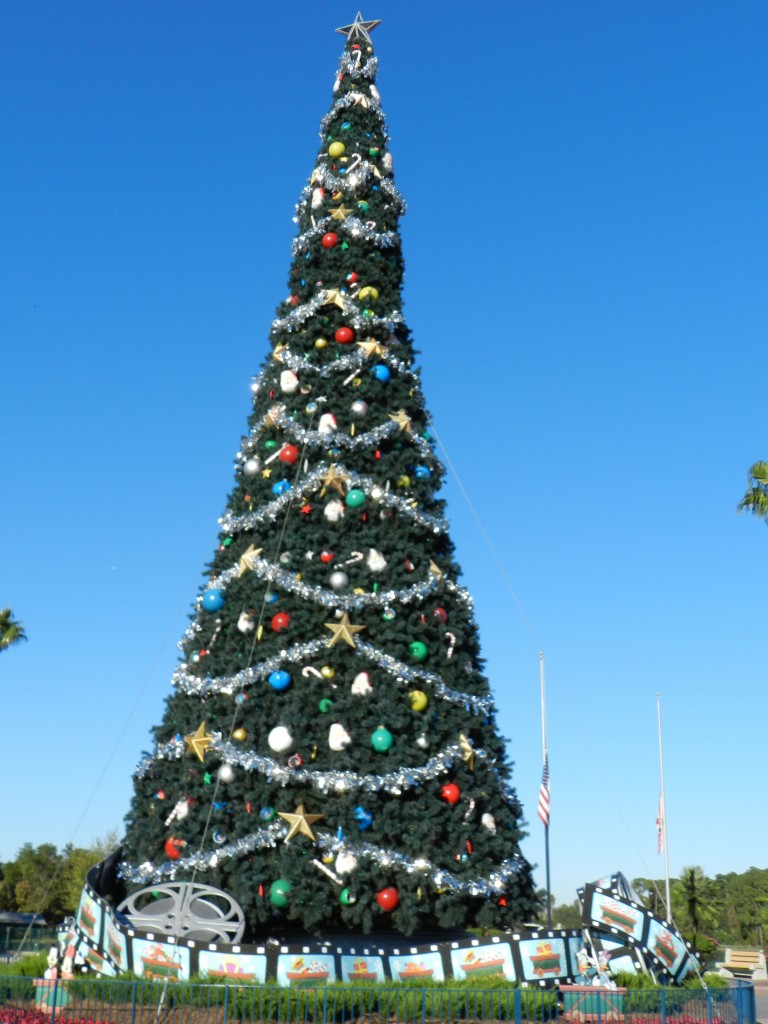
x=332, y=613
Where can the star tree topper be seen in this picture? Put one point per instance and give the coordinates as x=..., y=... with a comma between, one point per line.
x=300, y=821
x=359, y=29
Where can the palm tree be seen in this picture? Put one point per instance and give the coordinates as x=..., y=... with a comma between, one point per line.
x=756, y=498
x=695, y=896
x=10, y=630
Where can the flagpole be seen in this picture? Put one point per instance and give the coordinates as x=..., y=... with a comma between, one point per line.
x=545, y=762
x=663, y=809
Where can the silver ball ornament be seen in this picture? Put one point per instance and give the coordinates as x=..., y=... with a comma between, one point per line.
x=359, y=408
x=338, y=579
x=251, y=467
x=226, y=773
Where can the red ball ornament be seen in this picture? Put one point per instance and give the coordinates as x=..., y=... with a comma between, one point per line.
x=450, y=793
x=388, y=898
x=326, y=556
x=281, y=622
x=440, y=614
x=330, y=240
x=173, y=847
x=351, y=277
x=344, y=335
x=289, y=454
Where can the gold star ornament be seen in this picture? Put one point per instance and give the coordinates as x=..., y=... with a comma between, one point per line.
x=371, y=347
x=198, y=742
x=343, y=630
x=467, y=751
x=300, y=822
x=245, y=563
x=333, y=297
x=403, y=420
x=333, y=478
x=340, y=213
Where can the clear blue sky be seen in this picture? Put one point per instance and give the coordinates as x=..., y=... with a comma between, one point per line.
x=586, y=244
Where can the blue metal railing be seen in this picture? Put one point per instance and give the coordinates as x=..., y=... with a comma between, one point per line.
x=110, y=1001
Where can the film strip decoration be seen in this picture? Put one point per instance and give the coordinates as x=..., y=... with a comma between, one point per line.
x=111, y=944
x=628, y=933
x=632, y=937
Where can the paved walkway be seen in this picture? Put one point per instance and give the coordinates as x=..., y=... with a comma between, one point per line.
x=761, y=1001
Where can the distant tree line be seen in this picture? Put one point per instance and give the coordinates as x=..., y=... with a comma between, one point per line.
x=47, y=881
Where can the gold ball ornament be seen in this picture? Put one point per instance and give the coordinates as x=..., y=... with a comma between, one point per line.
x=327, y=672
x=239, y=734
x=368, y=294
x=404, y=480
x=418, y=700
x=321, y=342
x=336, y=149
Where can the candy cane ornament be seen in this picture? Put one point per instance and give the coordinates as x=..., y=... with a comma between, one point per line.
x=357, y=556
x=309, y=670
x=452, y=643
x=355, y=162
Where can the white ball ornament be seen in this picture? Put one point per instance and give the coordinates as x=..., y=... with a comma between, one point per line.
x=289, y=382
x=338, y=737
x=346, y=863
x=226, y=773
x=334, y=511
x=280, y=739
x=338, y=579
x=359, y=408
x=362, y=684
x=251, y=467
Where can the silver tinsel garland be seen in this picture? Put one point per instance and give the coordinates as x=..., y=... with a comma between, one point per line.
x=275, y=833
x=231, y=523
x=286, y=581
x=351, y=226
x=310, y=438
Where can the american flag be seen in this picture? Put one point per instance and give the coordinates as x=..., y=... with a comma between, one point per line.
x=544, y=793
x=660, y=825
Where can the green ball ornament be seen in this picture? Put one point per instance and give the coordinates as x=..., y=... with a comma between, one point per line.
x=418, y=650
x=346, y=898
x=382, y=739
x=270, y=445
x=325, y=705
x=355, y=498
x=280, y=892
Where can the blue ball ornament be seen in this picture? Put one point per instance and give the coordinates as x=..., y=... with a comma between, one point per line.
x=267, y=813
x=281, y=487
x=422, y=472
x=279, y=680
x=381, y=373
x=213, y=600
x=271, y=596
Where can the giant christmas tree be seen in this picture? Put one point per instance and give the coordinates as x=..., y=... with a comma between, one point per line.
x=329, y=755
